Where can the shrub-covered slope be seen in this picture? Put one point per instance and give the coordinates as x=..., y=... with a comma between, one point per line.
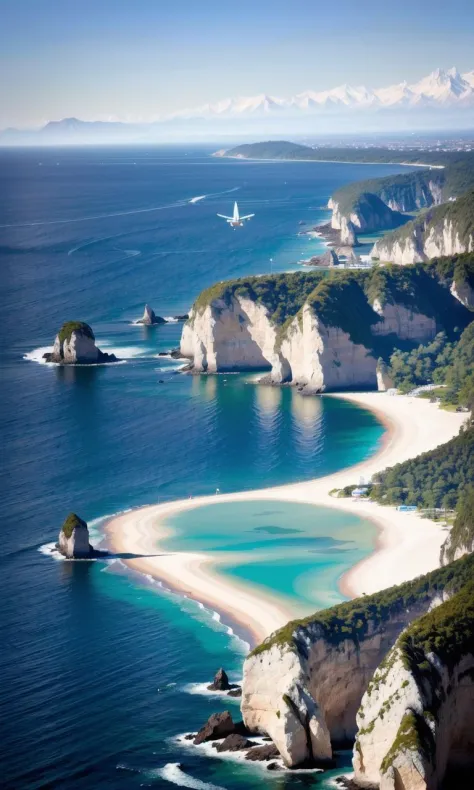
x=351, y=620
x=435, y=479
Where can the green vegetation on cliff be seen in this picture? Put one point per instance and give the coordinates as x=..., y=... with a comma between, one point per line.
x=282, y=294
x=351, y=620
x=70, y=524
x=435, y=479
x=459, y=213
x=410, y=189
x=345, y=298
x=450, y=364
x=447, y=631
x=74, y=326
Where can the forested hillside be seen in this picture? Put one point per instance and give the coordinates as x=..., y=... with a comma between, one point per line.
x=436, y=479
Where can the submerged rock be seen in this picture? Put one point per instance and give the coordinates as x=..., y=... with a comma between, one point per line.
x=219, y=725
x=73, y=539
x=234, y=743
x=220, y=682
x=261, y=753
x=235, y=692
x=75, y=345
x=183, y=317
x=149, y=317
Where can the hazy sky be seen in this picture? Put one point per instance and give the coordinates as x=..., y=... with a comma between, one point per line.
x=138, y=59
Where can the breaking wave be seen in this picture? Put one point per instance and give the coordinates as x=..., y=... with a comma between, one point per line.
x=172, y=773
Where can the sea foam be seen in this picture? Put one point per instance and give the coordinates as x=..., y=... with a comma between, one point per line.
x=172, y=773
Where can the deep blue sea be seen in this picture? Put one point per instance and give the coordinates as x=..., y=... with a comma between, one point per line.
x=99, y=668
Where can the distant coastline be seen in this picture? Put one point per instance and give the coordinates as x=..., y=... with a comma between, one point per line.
x=219, y=155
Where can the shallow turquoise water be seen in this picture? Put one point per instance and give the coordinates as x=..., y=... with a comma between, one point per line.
x=297, y=551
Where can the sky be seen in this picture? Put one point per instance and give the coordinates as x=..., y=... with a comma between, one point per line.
x=137, y=60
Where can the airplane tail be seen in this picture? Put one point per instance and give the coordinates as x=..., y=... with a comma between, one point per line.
x=236, y=212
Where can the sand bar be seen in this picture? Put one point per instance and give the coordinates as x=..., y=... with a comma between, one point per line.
x=407, y=545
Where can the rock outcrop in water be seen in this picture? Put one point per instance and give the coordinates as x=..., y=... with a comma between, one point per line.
x=75, y=345
x=149, y=317
x=315, y=331
x=303, y=686
x=73, y=539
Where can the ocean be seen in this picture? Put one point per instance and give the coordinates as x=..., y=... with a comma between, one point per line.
x=101, y=670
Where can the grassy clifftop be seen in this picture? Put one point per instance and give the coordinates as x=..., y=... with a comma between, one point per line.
x=74, y=326
x=345, y=298
x=351, y=620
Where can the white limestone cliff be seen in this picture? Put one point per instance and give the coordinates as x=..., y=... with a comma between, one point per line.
x=384, y=380
x=451, y=551
x=412, y=724
x=238, y=334
x=229, y=336
x=305, y=695
x=464, y=293
x=322, y=357
x=348, y=233
x=403, y=321
x=418, y=246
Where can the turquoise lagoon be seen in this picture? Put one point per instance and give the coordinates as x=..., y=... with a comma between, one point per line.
x=296, y=552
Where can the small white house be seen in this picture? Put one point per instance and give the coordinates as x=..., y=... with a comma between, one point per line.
x=359, y=492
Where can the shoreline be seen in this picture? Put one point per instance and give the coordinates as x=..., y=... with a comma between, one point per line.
x=406, y=545
x=328, y=161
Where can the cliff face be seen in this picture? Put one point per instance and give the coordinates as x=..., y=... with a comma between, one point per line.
x=414, y=194
x=303, y=686
x=366, y=213
x=377, y=204
x=234, y=335
x=416, y=719
x=238, y=333
x=447, y=230
x=307, y=697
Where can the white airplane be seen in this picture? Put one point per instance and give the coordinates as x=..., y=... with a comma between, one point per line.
x=236, y=221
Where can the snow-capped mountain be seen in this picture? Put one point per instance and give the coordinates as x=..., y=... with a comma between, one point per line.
x=438, y=89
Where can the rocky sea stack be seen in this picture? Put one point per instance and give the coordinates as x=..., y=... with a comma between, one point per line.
x=73, y=539
x=149, y=317
x=75, y=345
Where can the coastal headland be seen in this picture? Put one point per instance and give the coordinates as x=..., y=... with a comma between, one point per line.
x=407, y=545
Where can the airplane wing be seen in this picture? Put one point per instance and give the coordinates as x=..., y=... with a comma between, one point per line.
x=248, y=216
x=223, y=216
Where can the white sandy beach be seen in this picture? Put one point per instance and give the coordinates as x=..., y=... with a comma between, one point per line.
x=407, y=545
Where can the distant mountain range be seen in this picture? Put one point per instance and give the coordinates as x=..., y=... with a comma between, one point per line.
x=440, y=88
x=443, y=99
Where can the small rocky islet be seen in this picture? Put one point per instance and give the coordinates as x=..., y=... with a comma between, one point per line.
x=149, y=318
x=73, y=541
x=75, y=345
